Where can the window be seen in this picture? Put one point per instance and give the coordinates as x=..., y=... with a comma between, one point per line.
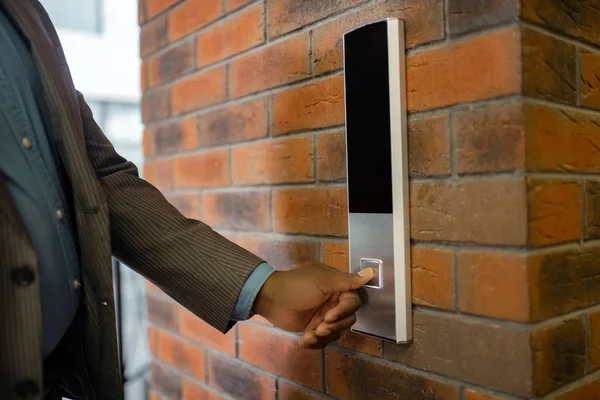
x=79, y=15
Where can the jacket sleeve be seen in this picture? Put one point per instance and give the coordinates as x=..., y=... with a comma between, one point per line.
x=185, y=258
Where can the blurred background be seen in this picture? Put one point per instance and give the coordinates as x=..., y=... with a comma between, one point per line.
x=101, y=42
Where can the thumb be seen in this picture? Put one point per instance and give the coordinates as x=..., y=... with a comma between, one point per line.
x=355, y=280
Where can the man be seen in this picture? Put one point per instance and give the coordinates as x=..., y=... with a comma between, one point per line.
x=68, y=201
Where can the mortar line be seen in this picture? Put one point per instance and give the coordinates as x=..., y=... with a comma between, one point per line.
x=563, y=106
x=583, y=210
x=183, y=375
x=419, y=372
x=578, y=74
x=452, y=142
x=586, y=322
x=560, y=36
x=572, y=385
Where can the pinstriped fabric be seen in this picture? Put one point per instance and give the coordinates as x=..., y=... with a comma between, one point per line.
x=20, y=332
x=115, y=212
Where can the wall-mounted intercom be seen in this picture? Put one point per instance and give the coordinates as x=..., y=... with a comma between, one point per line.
x=377, y=169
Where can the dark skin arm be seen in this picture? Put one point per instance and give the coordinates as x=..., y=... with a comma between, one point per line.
x=314, y=299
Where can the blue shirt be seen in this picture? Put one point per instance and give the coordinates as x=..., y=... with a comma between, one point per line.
x=37, y=182
x=39, y=186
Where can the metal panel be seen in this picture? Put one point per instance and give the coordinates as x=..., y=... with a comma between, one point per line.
x=378, y=235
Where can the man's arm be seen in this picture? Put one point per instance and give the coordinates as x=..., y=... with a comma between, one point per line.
x=189, y=261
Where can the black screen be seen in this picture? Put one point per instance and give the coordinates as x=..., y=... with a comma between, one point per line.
x=368, y=120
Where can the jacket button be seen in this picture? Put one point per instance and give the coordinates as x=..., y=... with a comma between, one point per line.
x=22, y=276
x=27, y=390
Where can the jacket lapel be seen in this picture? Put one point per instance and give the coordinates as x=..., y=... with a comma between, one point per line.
x=61, y=99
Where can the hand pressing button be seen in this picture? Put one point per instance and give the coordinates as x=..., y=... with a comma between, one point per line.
x=376, y=264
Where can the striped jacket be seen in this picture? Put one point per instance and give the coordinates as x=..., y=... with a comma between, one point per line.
x=116, y=213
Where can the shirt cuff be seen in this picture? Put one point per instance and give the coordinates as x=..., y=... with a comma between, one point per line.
x=250, y=290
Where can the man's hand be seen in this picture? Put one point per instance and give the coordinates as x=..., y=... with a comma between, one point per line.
x=315, y=299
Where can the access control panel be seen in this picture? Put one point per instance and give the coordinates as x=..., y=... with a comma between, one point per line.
x=377, y=169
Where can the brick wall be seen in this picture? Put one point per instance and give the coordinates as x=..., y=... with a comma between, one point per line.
x=243, y=103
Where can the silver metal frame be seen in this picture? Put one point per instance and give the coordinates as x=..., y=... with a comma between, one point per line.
x=386, y=312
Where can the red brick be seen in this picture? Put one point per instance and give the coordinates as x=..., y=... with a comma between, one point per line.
x=156, y=105
x=473, y=15
x=353, y=378
x=447, y=211
x=238, y=379
x=361, y=343
x=153, y=339
x=549, y=67
x=474, y=69
x=287, y=15
x=162, y=311
x=590, y=389
x=207, y=169
x=231, y=36
x=187, y=204
x=590, y=78
x=288, y=391
x=313, y=211
x=192, y=15
x=283, y=254
x=165, y=380
x=559, y=353
x=153, y=36
x=429, y=146
x=335, y=254
x=574, y=17
x=200, y=90
x=450, y=346
x=594, y=340
x=280, y=354
x=287, y=160
x=562, y=140
x=490, y=139
x=487, y=277
x=234, y=123
x=471, y=394
x=315, y=105
x=235, y=4
x=192, y=391
x=433, y=277
x=174, y=136
x=423, y=22
x=155, y=7
x=194, y=328
x=148, y=142
x=275, y=65
x=142, y=12
x=592, y=209
x=556, y=289
x=159, y=173
x=171, y=64
x=152, y=287
x=154, y=395
x=144, y=75
x=182, y=355
x=331, y=156
x=555, y=211
x=237, y=210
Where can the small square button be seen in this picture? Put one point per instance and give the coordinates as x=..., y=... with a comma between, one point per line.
x=376, y=264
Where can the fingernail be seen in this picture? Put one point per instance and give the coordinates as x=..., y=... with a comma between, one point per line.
x=365, y=272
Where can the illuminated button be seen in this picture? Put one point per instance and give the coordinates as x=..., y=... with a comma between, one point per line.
x=26, y=143
x=377, y=265
x=60, y=214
